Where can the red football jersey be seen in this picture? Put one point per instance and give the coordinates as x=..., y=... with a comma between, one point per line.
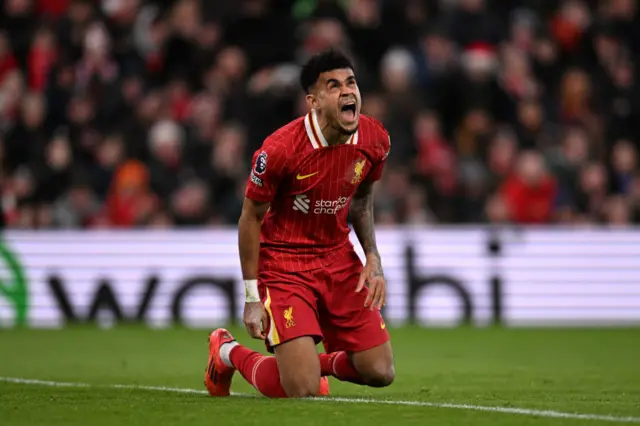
x=310, y=184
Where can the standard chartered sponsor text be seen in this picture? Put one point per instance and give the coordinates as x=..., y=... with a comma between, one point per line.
x=330, y=206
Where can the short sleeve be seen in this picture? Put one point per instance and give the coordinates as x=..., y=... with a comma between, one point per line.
x=376, y=171
x=268, y=169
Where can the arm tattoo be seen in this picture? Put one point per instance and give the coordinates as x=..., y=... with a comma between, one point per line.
x=362, y=219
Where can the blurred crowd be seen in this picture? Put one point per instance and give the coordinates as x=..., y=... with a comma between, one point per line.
x=133, y=113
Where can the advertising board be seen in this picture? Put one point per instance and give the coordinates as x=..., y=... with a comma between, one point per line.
x=436, y=276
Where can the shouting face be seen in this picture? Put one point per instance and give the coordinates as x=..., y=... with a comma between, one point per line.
x=337, y=96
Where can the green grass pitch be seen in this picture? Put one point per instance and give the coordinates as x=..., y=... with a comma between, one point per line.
x=577, y=372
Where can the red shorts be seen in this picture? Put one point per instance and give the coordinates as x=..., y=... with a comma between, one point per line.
x=323, y=304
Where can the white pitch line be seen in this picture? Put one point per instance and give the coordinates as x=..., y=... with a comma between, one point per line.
x=507, y=410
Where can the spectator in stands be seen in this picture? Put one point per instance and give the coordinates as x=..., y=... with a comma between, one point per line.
x=530, y=191
x=130, y=201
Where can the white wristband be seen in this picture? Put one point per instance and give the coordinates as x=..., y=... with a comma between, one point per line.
x=251, y=294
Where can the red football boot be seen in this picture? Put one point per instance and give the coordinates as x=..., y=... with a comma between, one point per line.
x=218, y=375
x=324, y=386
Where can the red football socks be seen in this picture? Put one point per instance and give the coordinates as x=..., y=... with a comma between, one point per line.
x=259, y=370
x=337, y=364
x=262, y=371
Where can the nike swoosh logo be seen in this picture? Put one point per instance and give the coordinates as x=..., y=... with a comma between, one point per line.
x=383, y=325
x=300, y=177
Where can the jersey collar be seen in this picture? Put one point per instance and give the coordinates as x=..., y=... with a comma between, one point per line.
x=315, y=135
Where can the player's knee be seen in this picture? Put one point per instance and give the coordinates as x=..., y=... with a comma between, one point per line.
x=302, y=387
x=381, y=375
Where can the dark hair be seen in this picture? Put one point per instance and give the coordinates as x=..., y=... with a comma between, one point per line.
x=327, y=60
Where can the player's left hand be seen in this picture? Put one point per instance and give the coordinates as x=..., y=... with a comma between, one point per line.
x=372, y=275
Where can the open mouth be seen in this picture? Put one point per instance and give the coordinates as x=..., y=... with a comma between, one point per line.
x=348, y=112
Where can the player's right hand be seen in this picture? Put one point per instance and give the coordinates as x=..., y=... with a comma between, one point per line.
x=256, y=320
